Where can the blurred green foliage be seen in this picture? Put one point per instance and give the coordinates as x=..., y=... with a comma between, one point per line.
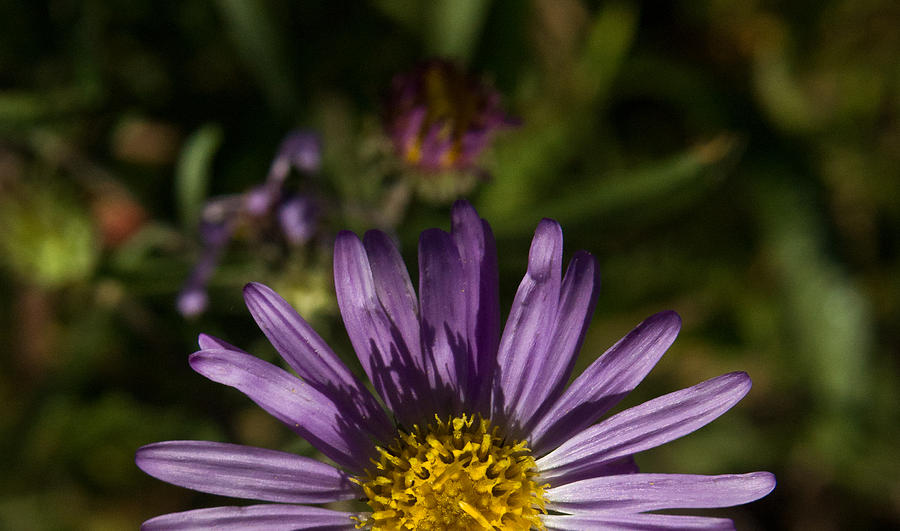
x=734, y=161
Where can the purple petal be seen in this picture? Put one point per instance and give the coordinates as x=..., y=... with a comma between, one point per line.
x=616, y=467
x=313, y=360
x=444, y=327
x=478, y=252
x=635, y=522
x=388, y=360
x=549, y=373
x=649, y=492
x=314, y=416
x=193, y=299
x=259, y=199
x=298, y=217
x=472, y=143
x=305, y=151
x=301, y=149
x=436, y=146
x=606, y=381
x=394, y=289
x=645, y=426
x=252, y=518
x=526, y=336
x=208, y=342
x=215, y=233
x=245, y=472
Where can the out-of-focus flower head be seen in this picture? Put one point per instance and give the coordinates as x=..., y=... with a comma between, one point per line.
x=295, y=215
x=441, y=118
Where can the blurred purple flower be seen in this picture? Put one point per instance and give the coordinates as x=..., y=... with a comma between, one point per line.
x=296, y=215
x=257, y=201
x=485, y=431
x=215, y=232
x=440, y=118
x=301, y=150
x=192, y=301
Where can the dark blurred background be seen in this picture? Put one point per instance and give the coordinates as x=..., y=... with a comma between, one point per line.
x=736, y=161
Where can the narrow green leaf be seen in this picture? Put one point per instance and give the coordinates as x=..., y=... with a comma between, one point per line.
x=827, y=316
x=605, y=196
x=193, y=172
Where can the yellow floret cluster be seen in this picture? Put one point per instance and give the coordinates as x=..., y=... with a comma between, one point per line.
x=453, y=475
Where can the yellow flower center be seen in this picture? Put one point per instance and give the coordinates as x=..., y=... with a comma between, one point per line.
x=455, y=474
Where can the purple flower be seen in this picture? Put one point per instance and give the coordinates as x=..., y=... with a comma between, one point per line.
x=301, y=149
x=215, y=233
x=482, y=431
x=440, y=119
x=296, y=215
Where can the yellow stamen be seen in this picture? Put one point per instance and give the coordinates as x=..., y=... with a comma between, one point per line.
x=473, y=512
x=454, y=474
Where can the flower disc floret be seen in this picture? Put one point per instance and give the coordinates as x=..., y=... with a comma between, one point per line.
x=459, y=473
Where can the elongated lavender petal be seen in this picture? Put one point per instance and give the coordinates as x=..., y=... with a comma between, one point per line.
x=314, y=416
x=525, y=337
x=650, y=492
x=245, y=472
x=622, y=465
x=606, y=381
x=208, y=342
x=398, y=299
x=252, y=518
x=478, y=252
x=549, y=373
x=395, y=290
x=444, y=343
x=313, y=360
x=635, y=522
x=645, y=426
x=379, y=344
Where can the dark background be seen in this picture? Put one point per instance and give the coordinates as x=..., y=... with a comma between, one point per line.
x=734, y=161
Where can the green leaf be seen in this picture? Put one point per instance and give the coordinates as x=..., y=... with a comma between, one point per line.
x=608, y=41
x=826, y=315
x=620, y=193
x=193, y=172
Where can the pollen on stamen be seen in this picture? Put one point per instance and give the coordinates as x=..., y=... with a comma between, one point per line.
x=453, y=474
